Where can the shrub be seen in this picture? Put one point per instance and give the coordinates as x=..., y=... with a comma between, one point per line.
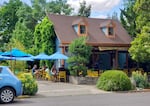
x=79, y=56
x=30, y=86
x=141, y=80
x=114, y=80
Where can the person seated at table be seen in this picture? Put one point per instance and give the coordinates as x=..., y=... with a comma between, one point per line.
x=54, y=72
x=46, y=69
x=35, y=71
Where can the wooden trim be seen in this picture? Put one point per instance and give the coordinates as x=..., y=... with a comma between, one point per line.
x=63, y=51
x=102, y=44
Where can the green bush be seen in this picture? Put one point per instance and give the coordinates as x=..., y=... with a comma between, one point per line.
x=141, y=80
x=79, y=53
x=114, y=80
x=30, y=86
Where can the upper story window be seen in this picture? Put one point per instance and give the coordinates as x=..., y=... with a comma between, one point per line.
x=108, y=29
x=80, y=26
x=82, y=29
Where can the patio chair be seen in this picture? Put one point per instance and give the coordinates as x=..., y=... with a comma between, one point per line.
x=62, y=75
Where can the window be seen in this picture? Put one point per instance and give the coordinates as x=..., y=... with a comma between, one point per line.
x=104, y=29
x=82, y=29
x=108, y=28
x=110, y=31
x=75, y=28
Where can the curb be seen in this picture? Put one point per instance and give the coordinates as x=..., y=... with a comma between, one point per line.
x=133, y=91
x=23, y=96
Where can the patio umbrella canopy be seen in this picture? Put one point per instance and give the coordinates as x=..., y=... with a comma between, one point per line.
x=15, y=53
x=41, y=56
x=4, y=58
x=58, y=56
x=24, y=59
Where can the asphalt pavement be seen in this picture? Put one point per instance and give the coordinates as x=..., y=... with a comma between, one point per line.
x=49, y=88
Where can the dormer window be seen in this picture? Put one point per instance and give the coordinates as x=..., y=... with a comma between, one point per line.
x=108, y=28
x=80, y=27
x=110, y=31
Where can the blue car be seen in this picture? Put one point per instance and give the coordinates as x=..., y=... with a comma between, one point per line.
x=10, y=85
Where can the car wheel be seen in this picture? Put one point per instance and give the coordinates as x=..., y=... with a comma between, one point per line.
x=7, y=95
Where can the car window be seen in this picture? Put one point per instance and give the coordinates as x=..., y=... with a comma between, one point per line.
x=1, y=69
x=8, y=69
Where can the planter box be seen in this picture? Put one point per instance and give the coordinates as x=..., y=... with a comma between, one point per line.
x=83, y=80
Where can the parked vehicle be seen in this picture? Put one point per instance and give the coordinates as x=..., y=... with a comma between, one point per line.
x=10, y=85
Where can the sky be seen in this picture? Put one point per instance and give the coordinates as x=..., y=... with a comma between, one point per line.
x=100, y=8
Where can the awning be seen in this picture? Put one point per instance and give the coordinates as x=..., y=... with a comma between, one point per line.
x=114, y=48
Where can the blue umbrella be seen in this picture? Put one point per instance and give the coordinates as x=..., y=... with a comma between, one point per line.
x=24, y=58
x=58, y=56
x=1, y=52
x=4, y=58
x=41, y=56
x=15, y=53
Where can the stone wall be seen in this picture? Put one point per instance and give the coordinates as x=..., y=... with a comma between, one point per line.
x=83, y=80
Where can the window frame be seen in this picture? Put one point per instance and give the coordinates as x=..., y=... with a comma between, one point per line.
x=109, y=29
x=79, y=30
x=82, y=29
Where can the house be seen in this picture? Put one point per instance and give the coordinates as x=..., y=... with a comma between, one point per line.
x=110, y=41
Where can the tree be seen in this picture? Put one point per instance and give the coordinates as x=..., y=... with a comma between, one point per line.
x=84, y=10
x=59, y=7
x=8, y=19
x=128, y=17
x=24, y=27
x=80, y=53
x=23, y=34
x=38, y=9
x=142, y=8
x=140, y=47
x=44, y=38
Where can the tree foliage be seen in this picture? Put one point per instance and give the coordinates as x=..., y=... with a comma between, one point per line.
x=128, y=17
x=44, y=38
x=142, y=8
x=39, y=7
x=140, y=47
x=80, y=53
x=84, y=10
x=8, y=19
x=59, y=7
x=24, y=27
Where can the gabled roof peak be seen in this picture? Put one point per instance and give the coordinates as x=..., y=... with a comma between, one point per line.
x=81, y=20
x=107, y=23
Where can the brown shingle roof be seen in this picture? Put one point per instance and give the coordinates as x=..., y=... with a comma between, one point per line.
x=64, y=30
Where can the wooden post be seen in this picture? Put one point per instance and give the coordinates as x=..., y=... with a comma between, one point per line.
x=127, y=60
x=63, y=51
x=116, y=59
